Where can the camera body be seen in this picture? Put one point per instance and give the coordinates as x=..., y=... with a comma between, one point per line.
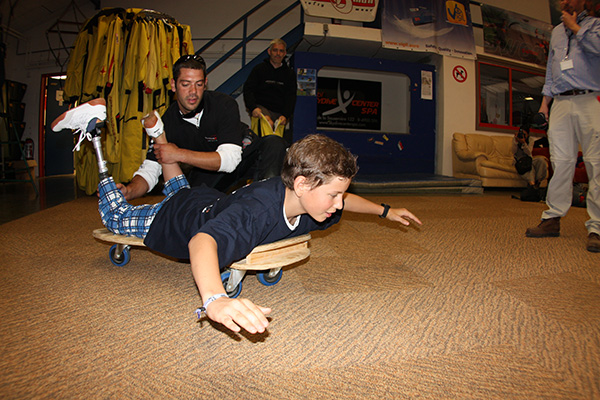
x=540, y=121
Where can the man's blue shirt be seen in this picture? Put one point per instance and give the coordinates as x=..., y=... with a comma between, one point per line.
x=583, y=49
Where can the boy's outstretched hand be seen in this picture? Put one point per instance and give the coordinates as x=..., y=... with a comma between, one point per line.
x=233, y=313
x=403, y=216
x=239, y=313
x=358, y=204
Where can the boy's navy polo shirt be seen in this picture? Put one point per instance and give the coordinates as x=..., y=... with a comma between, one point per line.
x=251, y=216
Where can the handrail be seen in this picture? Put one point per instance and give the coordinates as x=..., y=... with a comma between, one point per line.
x=246, y=38
x=230, y=27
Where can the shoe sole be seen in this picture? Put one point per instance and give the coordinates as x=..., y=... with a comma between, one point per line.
x=593, y=246
x=94, y=102
x=542, y=236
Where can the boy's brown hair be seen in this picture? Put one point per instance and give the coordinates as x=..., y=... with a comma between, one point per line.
x=319, y=159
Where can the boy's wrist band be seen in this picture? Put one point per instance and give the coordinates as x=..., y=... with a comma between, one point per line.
x=202, y=309
x=386, y=208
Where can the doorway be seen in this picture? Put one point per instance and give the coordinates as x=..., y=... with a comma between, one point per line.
x=55, y=148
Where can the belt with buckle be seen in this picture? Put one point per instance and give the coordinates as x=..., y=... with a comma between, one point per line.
x=575, y=92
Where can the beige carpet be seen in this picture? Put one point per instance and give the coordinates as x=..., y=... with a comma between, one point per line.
x=465, y=307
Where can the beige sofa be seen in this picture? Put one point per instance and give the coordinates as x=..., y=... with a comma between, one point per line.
x=487, y=158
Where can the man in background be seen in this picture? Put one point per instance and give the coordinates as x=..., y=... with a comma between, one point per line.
x=270, y=89
x=573, y=86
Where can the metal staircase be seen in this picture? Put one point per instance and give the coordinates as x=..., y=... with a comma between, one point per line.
x=233, y=85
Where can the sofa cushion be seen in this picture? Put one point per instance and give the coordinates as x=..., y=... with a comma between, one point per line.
x=479, y=143
x=497, y=148
x=501, y=164
x=503, y=147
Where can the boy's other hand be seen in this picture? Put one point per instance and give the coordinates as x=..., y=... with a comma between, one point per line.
x=403, y=216
x=239, y=313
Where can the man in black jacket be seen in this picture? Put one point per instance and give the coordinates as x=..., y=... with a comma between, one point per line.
x=206, y=137
x=270, y=89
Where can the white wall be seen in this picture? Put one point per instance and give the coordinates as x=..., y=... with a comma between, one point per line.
x=457, y=108
x=538, y=9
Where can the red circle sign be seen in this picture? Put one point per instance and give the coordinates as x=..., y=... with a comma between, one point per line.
x=459, y=73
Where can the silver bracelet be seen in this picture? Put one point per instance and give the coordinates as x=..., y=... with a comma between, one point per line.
x=202, y=309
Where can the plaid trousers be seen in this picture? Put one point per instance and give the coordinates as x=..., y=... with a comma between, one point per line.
x=122, y=218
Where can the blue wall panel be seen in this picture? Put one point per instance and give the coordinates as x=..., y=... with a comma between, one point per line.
x=378, y=153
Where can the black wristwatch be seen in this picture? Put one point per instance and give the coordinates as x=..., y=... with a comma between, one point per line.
x=386, y=208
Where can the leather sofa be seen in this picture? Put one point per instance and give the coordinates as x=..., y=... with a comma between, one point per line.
x=487, y=158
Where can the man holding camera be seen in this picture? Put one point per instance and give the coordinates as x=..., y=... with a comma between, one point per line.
x=573, y=86
x=532, y=170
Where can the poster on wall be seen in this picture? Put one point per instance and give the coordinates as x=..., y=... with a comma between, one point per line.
x=306, y=79
x=439, y=26
x=426, y=85
x=350, y=10
x=348, y=104
x=515, y=36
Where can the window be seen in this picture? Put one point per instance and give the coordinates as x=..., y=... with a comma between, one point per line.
x=508, y=97
x=390, y=89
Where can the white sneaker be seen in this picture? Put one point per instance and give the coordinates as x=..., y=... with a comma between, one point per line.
x=83, y=119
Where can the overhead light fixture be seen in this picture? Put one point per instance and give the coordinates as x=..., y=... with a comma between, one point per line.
x=529, y=98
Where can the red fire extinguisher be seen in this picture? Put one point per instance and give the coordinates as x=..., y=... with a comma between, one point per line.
x=28, y=148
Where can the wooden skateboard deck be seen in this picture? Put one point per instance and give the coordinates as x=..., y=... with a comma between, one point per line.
x=271, y=257
x=107, y=236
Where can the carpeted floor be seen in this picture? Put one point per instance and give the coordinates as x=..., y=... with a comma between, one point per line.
x=464, y=307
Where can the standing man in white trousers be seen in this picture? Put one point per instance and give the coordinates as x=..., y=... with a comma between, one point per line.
x=573, y=86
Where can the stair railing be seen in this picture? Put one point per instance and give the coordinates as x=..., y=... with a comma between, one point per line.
x=245, y=37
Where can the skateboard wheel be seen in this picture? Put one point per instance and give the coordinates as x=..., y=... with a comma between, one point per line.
x=234, y=292
x=121, y=259
x=268, y=278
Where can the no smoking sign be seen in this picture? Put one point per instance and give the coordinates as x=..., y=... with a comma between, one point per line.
x=459, y=73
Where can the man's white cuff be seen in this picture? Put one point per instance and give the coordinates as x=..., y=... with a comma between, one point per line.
x=231, y=155
x=150, y=171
